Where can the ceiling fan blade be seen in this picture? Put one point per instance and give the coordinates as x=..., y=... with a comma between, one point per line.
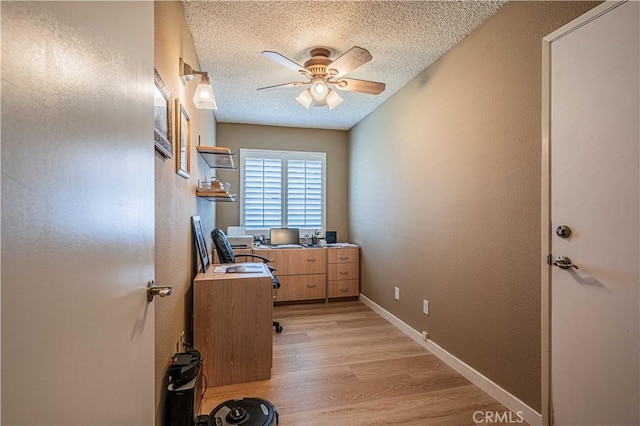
x=279, y=86
x=276, y=57
x=349, y=61
x=360, y=86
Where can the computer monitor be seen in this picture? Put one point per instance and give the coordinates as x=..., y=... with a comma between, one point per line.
x=280, y=236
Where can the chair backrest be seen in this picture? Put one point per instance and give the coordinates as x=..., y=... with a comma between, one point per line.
x=223, y=248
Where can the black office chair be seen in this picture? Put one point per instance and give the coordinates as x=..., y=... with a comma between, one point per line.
x=225, y=255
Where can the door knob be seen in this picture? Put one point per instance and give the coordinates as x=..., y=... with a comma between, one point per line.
x=152, y=291
x=563, y=262
x=563, y=231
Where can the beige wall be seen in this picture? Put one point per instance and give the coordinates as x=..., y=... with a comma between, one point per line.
x=459, y=147
x=175, y=196
x=333, y=142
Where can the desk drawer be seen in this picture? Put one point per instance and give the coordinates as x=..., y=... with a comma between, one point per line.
x=302, y=287
x=343, y=255
x=343, y=271
x=296, y=261
x=343, y=288
x=304, y=261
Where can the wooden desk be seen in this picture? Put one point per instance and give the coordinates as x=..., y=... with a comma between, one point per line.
x=232, y=325
x=322, y=273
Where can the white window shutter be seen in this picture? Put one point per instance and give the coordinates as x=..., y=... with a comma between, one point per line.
x=282, y=189
x=304, y=194
x=262, y=193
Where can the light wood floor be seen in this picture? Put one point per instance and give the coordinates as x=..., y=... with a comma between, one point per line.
x=342, y=364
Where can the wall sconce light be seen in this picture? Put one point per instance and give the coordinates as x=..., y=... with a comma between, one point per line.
x=203, y=98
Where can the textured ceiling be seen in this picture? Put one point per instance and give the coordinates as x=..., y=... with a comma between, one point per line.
x=404, y=38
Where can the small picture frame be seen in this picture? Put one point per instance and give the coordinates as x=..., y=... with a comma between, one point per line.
x=183, y=160
x=201, y=243
x=162, y=102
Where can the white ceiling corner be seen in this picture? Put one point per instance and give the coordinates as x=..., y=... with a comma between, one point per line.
x=404, y=38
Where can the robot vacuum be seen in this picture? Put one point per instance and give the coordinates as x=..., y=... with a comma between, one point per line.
x=245, y=412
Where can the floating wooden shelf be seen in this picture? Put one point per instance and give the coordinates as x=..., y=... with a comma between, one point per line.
x=215, y=195
x=217, y=157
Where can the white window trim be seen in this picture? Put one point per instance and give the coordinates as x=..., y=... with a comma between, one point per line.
x=284, y=155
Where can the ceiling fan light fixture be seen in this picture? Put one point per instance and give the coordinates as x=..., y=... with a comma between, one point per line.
x=305, y=99
x=333, y=99
x=204, y=97
x=324, y=75
x=319, y=89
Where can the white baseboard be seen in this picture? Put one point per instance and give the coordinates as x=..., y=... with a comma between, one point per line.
x=514, y=404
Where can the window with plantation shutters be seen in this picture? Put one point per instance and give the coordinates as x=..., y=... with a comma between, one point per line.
x=282, y=189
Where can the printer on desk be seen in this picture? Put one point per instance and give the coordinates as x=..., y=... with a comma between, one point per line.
x=237, y=238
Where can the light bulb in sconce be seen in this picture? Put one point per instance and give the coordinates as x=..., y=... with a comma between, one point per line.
x=204, y=97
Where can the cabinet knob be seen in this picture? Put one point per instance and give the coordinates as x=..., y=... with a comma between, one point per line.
x=344, y=257
x=311, y=285
x=343, y=272
x=344, y=290
x=311, y=260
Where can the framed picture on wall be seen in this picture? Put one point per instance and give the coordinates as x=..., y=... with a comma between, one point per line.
x=183, y=167
x=162, y=135
x=201, y=243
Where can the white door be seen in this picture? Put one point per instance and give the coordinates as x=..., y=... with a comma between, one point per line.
x=77, y=213
x=595, y=188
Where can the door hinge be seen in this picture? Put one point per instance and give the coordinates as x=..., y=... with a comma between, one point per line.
x=549, y=261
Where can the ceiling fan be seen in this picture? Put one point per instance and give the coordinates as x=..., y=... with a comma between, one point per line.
x=324, y=73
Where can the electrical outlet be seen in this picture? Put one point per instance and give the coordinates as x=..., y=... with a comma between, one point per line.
x=425, y=307
x=397, y=293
